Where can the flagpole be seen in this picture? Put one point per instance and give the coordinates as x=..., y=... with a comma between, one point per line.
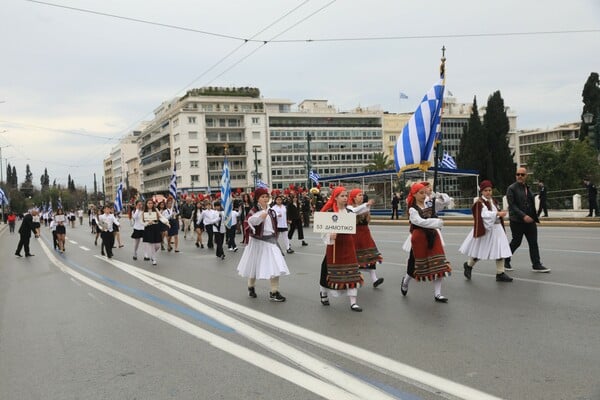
x=438, y=141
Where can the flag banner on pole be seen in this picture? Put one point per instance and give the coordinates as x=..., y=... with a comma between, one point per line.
x=173, y=188
x=314, y=177
x=415, y=144
x=261, y=185
x=50, y=207
x=119, y=198
x=59, y=202
x=3, y=198
x=448, y=162
x=226, y=200
x=403, y=96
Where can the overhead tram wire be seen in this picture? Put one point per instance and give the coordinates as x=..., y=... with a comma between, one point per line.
x=131, y=126
x=309, y=40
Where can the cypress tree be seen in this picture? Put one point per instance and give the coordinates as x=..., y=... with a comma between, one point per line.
x=501, y=167
x=473, y=150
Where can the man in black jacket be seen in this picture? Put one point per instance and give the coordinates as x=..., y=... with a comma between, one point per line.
x=592, y=197
x=25, y=232
x=523, y=220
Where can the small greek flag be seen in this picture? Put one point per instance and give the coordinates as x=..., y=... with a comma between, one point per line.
x=59, y=202
x=119, y=198
x=261, y=185
x=226, y=200
x=403, y=96
x=314, y=177
x=173, y=188
x=448, y=162
x=3, y=198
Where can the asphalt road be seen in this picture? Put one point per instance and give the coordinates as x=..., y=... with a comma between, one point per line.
x=76, y=326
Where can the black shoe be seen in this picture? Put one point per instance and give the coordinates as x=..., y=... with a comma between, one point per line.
x=222, y=256
x=290, y=251
x=507, y=266
x=235, y=249
x=276, y=296
x=304, y=243
x=197, y=244
x=146, y=258
x=201, y=246
x=251, y=292
x=134, y=257
x=440, y=299
x=503, y=278
x=467, y=271
x=102, y=253
x=18, y=255
x=356, y=307
x=324, y=299
x=404, y=287
x=377, y=282
x=539, y=268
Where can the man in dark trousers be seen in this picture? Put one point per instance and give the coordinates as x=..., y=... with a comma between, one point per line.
x=592, y=197
x=523, y=220
x=395, y=202
x=25, y=233
x=542, y=196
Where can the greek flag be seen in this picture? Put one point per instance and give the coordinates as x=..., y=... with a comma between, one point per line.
x=119, y=198
x=50, y=207
x=3, y=198
x=403, y=96
x=173, y=188
x=314, y=177
x=415, y=144
x=261, y=185
x=59, y=202
x=226, y=194
x=448, y=162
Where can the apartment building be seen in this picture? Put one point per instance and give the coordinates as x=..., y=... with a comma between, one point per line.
x=524, y=141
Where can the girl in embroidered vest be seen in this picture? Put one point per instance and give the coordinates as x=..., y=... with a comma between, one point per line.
x=430, y=261
x=487, y=240
x=339, y=270
x=366, y=250
x=262, y=257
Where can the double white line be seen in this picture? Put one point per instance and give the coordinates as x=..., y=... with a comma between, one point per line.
x=330, y=382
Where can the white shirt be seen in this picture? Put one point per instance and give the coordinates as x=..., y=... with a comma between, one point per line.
x=281, y=212
x=106, y=222
x=138, y=224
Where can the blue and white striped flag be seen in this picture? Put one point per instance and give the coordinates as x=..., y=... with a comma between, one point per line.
x=403, y=96
x=448, y=162
x=119, y=198
x=173, y=188
x=415, y=144
x=261, y=185
x=50, y=207
x=226, y=199
x=314, y=177
x=3, y=198
x=59, y=202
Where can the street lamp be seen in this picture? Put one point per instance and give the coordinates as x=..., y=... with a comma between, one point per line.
x=593, y=127
x=256, y=150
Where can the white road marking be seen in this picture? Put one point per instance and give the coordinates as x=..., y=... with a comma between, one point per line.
x=318, y=367
x=268, y=364
x=425, y=379
x=84, y=248
x=72, y=241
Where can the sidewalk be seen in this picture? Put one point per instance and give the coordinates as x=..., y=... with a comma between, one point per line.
x=555, y=218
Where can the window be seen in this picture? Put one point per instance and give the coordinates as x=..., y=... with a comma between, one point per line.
x=222, y=122
x=194, y=164
x=210, y=122
x=255, y=120
x=192, y=135
x=194, y=178
x=191, y=120
x=176, y=137
x=392, y=138
x=193, y=149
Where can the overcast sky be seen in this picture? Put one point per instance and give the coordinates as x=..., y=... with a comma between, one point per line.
x=73, y=82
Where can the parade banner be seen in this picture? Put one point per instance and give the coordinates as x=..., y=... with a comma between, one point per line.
x=328, y=222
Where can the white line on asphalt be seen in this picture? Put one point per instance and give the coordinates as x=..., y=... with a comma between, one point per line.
x=268, y=364
x=423, y=378
x=84, y=248
x=319, y=368
x=75, y=281
x=72, y=242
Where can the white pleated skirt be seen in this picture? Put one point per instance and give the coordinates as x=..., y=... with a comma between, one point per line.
x=491, y=246
x=262, y=260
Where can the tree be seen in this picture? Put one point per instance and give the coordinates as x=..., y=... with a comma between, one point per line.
x=500, y=158
x=27, y=185
x=380, y=162
x=14, y=183
x=45, y=181
x=8, y=175
x=473, y=150
x=70, y=184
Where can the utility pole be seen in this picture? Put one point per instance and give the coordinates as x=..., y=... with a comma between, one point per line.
x=308, y=161
x=256, y=150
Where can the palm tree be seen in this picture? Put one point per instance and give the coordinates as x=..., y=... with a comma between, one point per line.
x=380, y=162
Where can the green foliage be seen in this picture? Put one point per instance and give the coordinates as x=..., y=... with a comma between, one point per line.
x=564, y=168
x=591, y=103
x=495, y=122
x=472, y=150
x=380, y=162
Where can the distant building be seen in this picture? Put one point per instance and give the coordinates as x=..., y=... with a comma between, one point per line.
x=524, y=141
x=340, y=142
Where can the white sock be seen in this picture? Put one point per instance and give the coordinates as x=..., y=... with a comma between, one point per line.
x=373, y=275
x=437, y=287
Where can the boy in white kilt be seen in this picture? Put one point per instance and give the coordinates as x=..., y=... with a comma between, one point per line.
x=487, y=240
